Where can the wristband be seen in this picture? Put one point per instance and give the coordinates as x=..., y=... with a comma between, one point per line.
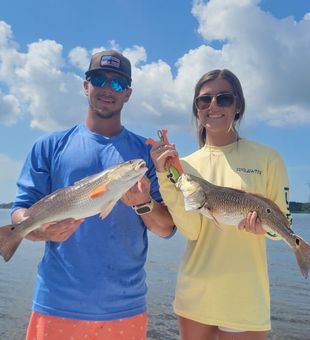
x=144, y=208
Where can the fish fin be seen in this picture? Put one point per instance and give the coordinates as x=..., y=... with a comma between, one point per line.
x=107, y=209
x=99, y=191
x=302, y=253
x=150, y=141
x=9, y=241
x=216, y=222
x=271, y=234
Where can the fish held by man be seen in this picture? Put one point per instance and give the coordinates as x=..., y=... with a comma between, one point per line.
x=91, y=195
x=230, y=206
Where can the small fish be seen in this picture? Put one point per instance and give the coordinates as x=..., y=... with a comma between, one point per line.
x=230, y=206
x=91, y=195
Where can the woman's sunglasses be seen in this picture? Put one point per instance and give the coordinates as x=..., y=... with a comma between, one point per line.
x=116, y=84
x=225, y=99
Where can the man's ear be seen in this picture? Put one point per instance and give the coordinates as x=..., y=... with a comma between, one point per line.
x=127, y=94
x=86, y=87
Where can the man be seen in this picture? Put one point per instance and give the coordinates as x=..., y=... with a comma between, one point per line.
x=91, y=279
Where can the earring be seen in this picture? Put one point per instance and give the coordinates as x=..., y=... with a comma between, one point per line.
x=237, y=115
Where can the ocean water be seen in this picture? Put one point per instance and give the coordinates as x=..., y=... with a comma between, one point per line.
x=290, y=292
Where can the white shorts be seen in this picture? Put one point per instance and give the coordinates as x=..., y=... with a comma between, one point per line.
x=231, y=330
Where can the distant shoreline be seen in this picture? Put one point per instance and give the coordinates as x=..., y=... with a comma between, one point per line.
x=5, y=205
x=298, y=207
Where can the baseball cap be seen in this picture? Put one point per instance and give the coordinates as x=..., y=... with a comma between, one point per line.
x=110, y=60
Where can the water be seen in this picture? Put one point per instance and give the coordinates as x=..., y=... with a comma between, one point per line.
x=290, y=292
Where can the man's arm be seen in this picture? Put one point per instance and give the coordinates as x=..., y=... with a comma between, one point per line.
x=158, y=220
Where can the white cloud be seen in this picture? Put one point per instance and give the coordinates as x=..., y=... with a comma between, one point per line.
x=269, y=55
x=307, y=16
x=136, y=55
x=37, y=83
x=9, y=57
x=79, y=57
x=9, y=109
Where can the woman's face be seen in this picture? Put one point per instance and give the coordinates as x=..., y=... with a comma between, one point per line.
x=218, y=120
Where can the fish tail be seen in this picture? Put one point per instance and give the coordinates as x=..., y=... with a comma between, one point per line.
x=302, y=253
x=9, y=241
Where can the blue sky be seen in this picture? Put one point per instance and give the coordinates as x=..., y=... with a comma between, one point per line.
x=45, y=48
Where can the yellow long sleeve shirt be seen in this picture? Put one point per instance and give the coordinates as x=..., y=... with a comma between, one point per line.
x=223, y=278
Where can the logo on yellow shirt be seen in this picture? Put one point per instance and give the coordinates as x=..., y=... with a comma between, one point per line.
x=249, y=171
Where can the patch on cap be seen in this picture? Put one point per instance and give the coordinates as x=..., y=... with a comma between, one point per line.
x=108, y=60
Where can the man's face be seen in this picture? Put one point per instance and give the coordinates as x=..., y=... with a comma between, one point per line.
x=104, y=101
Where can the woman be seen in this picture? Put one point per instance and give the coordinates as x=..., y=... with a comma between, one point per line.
x=223, y=288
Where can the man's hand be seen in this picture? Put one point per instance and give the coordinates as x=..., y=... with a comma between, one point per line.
x=56, y=231
x=139, y=193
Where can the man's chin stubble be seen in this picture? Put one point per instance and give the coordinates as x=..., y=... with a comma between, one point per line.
x=104, y=115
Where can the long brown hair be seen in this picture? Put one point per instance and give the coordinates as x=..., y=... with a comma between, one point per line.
x=237, y=91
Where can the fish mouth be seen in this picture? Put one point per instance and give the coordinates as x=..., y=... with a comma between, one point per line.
x=139, y=169
x=140, y=164
x=134, y=165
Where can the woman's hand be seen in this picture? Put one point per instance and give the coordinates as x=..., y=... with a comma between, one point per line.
x=252, y=224
x=160, y=153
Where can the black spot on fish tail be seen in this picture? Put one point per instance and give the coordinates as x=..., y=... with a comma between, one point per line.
x=9, y=241
x=302, y=253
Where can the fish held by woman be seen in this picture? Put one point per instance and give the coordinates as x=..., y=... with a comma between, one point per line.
x=230, y=206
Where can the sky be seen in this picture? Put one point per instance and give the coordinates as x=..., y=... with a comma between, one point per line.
x=45, y=49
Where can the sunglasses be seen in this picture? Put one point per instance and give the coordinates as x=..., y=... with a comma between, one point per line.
x=116, y=84
x=224, y=99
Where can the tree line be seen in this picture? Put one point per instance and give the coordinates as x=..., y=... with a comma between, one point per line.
x=298, y=207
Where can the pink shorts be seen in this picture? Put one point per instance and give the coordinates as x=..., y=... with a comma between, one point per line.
x=46, y=327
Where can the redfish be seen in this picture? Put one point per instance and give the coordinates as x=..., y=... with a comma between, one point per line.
x=230, y=206
x=92, y=195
